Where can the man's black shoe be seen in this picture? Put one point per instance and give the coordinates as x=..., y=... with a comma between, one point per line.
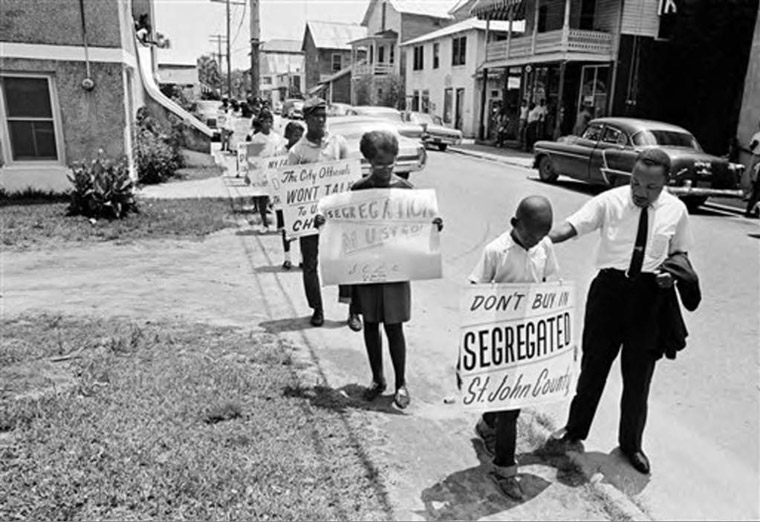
x=317, y=318
x=638, y=460
x=560, y=442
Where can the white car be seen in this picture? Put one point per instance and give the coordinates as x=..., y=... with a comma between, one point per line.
x=412, y=156
x=435, y=132
x=409, y=130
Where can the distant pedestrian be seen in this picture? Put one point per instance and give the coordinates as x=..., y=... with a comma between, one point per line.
x=387, y=303
x=644, y=240
x=531, y=133
x=522, y=255
x=581, y=121
x=316, y=146
x=754, y=176
x=523, y=123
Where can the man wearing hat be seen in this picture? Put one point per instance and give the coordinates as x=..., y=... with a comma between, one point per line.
x=317, y=146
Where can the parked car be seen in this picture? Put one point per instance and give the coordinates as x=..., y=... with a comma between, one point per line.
x=607, y=151
x=293, y=109
x=435, y=132
x=412, y=156
x=409, y=130
x=277, y=108
x=206, y=111
x=338, y=109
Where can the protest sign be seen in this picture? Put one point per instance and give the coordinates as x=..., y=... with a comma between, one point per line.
x=379, y=236
x=517, y=345
x=300, y=187
x=255, y=169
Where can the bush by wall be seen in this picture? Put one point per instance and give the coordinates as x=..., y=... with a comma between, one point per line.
x=102, y=189
x=157, y=149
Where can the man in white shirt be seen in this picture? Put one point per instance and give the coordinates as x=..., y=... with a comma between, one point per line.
x=640, y=226
x=316, y=146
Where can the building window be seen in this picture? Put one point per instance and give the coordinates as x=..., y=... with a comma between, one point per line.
x=337, y=62
x=393, y=51
x=30, y=120
x=425, y=107
x=266, y=80
x=588, y=7
x=436, y=55
x=459, y=50
x=419, y=58
x=543, y=16
x=416, y=101
x=381, y=54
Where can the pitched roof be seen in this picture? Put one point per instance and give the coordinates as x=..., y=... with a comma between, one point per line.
x=467, y=25
x=333, y=35
x=281, y=46
x=433, y=8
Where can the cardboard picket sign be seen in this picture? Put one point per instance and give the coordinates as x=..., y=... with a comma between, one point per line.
x=517, y=345
x=300, y=187
x=379, y=236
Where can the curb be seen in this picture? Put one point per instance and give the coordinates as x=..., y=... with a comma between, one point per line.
x=491, y=157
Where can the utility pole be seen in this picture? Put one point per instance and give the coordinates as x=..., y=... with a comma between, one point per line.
x=255, y=37
x=218, y=39
x=229, y=55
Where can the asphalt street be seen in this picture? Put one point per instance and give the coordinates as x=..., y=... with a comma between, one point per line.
x=702, y=434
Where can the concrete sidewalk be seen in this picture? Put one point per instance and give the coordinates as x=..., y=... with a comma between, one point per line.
x=506, y=156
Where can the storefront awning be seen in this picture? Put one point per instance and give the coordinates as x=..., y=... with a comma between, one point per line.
x=498, y=9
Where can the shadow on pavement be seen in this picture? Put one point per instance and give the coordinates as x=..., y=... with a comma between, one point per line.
x=348, y=397
x=270, y=269
x=471, y=494
x=616, y=470
x=755, y=236
x=575, y=186
x=295, y=324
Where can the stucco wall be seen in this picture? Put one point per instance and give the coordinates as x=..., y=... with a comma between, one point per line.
x=89, y=120
x=59, y=22
x=436, y=81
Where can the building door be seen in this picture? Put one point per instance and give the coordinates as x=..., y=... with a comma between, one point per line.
x=594, y=89
x=447, y=104
x=459, y=109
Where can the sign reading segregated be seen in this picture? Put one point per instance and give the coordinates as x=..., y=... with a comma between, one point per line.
x=379, y=236
x=517, y=345
x=300, y=187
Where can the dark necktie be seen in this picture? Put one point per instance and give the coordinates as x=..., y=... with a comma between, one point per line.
x=637, y=259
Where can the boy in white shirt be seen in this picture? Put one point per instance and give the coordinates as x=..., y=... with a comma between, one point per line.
x=522, y=255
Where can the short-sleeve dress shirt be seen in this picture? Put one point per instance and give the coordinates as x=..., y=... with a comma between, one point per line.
x=332, y=147
x=615, y=215
x=504, y=261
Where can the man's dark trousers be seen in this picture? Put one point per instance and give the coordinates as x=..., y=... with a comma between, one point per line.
x=310, y=273
x=619, y=311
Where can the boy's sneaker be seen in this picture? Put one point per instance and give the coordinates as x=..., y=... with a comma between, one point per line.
x=487, y=434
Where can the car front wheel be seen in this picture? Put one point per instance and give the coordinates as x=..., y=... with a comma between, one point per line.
x=546, y=170
x=694, y=202
x=442, y=147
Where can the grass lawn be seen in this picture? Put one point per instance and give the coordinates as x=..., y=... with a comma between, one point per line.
x=41, y=223
x=168, y=421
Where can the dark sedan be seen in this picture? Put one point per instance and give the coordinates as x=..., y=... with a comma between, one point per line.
x=607, y=151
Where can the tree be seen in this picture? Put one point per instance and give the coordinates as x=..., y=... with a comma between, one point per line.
x=393, y=92
x=208, y=72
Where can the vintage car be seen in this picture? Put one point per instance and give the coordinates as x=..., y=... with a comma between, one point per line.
x=338, y=109
x=409, y=130
x=607, y=150
x=292, y=109
x=412, y=156
x=435, y=132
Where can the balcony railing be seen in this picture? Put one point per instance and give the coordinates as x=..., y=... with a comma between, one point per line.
x=578, y=41
x=373, y=69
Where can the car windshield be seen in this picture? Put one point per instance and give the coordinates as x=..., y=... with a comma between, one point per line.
x=354, y=130
x=209, y=105
x=666, y=138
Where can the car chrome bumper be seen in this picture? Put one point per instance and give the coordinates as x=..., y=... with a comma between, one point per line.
x=705, y=192
x=439, y=140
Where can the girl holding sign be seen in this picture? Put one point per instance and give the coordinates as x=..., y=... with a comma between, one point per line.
x=271, y=144
x=387, y=303
x=293, y=133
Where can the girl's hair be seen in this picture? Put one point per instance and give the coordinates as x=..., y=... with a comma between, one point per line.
x=291, y=127
x=373, y=142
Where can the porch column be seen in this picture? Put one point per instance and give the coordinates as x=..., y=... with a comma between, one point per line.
x=484, y=87
x=535, y=27
x=560, y=101
x=566, y=26
x=509, y=31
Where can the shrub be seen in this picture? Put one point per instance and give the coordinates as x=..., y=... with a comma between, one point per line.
x=102, y=189
x=157, y=149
